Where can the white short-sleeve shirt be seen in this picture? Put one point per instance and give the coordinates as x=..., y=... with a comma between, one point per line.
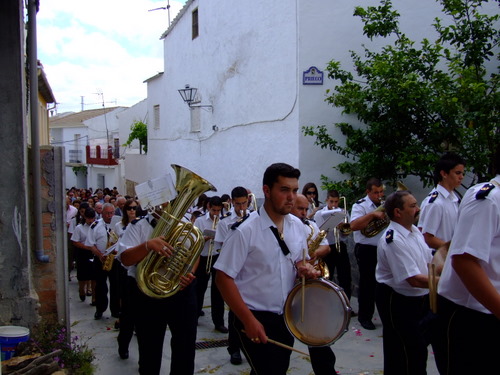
x=361, y=208
x=477, y=233
x=253, y=258
x=439, y=213
x=402, y=254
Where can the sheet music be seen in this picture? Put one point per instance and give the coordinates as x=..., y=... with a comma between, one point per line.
x=155, y=192
x=332, y=219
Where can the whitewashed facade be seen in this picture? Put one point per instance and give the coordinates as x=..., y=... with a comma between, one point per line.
x=248, y=63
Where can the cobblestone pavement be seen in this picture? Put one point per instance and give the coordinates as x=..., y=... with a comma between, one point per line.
x=359, y=351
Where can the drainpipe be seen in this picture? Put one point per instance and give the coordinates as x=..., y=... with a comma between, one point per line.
x=35, y=135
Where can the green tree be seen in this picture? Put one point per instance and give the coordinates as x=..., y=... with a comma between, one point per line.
x=139, y=131
x=416, y=101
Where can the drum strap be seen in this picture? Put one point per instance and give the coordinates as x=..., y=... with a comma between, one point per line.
x=284, y=247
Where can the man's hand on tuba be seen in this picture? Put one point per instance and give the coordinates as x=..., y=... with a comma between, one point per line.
x=160, y=246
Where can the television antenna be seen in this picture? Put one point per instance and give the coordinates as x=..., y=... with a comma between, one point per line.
x=163, y=8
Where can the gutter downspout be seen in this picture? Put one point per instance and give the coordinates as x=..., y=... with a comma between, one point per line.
x=35, y=136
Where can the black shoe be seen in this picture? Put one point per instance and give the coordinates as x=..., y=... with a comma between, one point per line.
x=201, y=313
x=97, y=315
x=123, y=353
x=82, y=297
x=221, y=329
x=353, y=313
x=367, y=324
x=117, y=324
x=93, y=303
x=236, y=358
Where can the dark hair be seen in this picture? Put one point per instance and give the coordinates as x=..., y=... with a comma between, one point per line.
x=89, y=213
x=202, y=200
x=333, y=194
x=446, y=163
x=225, y=197
x=80, y=219
x=239, y=192
x=215, y=201
x=279, y=170
x=395, y=200
x=373, y=182
x=125, y=219
x=307, y=187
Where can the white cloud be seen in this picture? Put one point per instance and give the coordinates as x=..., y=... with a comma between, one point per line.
x=106, y=45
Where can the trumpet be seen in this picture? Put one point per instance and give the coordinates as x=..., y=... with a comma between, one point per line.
x=208, y=267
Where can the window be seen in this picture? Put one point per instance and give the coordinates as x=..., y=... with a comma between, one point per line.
x=156, y=111
x=195, y=119
x=195, y=23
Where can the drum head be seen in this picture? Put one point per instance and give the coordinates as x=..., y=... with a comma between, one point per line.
x=326, y=313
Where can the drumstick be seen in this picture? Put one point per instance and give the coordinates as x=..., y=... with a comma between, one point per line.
x=282, y=345
x=303, y=287
x=286, y=346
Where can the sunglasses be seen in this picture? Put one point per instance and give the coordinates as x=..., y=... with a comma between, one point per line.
x=310, y=193
x=132, y=208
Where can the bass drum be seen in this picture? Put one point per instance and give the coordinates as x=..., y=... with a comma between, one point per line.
x=326, y=312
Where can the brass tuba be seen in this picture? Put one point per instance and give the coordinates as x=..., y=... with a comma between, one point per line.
x=159, y=276
x=376, y=226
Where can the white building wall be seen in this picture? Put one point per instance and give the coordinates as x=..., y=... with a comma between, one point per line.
x=247, y=62
x=102, y=127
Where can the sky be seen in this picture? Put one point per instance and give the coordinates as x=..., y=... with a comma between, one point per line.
x=101, y=50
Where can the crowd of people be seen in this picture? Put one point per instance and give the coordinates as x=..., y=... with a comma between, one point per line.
x=253, y=257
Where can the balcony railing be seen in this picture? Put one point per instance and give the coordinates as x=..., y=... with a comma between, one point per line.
x=99, y=155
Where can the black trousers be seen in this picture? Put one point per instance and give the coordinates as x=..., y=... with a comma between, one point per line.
x=267, y=359
x=405, y=335
x=467, y=340
x=233, y=339
x=216, y=300
x=151, y=317
x=322, y=360
x=339, y=261
x=101, y=287
x=126, y=333
x=366, y=256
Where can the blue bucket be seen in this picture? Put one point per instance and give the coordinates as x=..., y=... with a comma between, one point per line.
x=10, y=336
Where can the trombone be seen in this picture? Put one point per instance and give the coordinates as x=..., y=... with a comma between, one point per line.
x=344, y=228
x=210, y=256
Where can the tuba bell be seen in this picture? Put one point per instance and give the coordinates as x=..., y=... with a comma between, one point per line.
x=159, y=276
x=376, y=226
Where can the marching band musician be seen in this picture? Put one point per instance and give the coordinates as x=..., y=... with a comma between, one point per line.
x=152, y=315
x=209, y=221
x=322, y=357
x=257, y=268
x=365, y=250
x=102, y=236
x=440, y=208
x=238, y=213
x=402, y=289
x=337, y=257
x=469, y=287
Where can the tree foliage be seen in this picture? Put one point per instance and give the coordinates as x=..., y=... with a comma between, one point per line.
x=416, y=101
x=139, y=131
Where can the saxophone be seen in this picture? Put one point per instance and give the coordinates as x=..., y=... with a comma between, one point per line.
x=108, y=262
x=159, y=276
x=312, y=246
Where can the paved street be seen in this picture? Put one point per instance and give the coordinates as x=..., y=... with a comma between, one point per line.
x=358, y=352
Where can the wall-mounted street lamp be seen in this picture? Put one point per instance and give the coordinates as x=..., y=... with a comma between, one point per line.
x=188, y=94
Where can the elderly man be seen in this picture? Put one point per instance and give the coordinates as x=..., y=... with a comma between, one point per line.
x=100, y=237
x=402, y=289
x=120, y=202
